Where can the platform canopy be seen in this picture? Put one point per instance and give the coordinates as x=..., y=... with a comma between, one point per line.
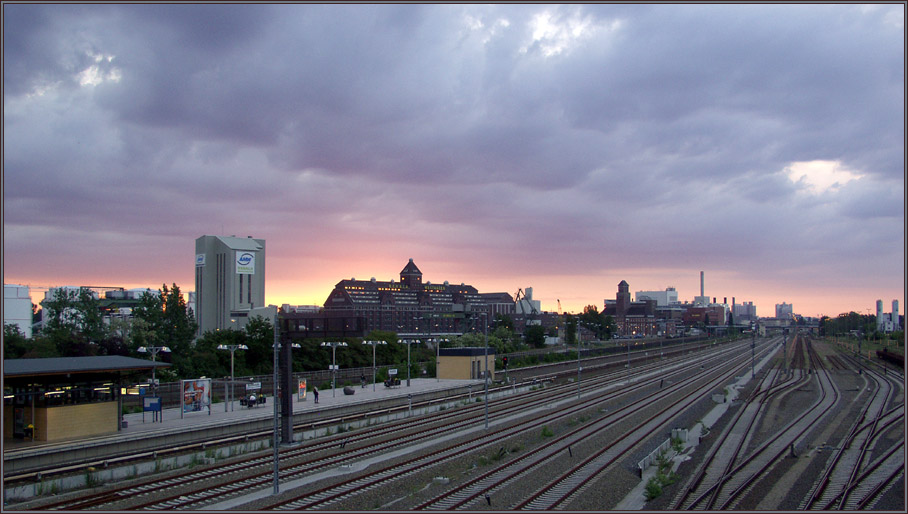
x=71, y=365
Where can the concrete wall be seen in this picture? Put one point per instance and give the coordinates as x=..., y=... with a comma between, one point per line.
x=68, y=421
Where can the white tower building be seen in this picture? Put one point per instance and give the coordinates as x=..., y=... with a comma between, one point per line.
x=229, y=281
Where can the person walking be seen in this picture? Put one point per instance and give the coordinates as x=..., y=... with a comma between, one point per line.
x=315, y=393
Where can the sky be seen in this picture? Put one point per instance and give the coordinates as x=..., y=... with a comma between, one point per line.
x=562, y=147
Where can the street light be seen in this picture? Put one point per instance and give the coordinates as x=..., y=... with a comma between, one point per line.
x=486, y=381
x=579, y=343
x=232, y=348
x=408, y=342
x=153, y=350
x=334, y=345
x=437, y=342
x=753, y=350
x=374, y=344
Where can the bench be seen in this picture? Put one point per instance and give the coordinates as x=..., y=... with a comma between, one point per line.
x=392, y=382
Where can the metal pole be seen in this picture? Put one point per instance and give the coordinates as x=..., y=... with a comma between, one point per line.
x=408, y=363
x=333, y=370
x=579, y=340
x=277, y=339
x=230, y=390
x=154, y=384
x=373, y=366
x=753, y=350
x=486, y=381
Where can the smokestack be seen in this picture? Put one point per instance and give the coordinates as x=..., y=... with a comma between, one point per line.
x=701, y=284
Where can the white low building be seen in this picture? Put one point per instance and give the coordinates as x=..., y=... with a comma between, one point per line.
x=17, y=308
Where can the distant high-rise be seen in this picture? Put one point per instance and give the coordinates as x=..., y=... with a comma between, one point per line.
x=229, y=280
x=887, y=322
x=784, y=310
x=745, y=311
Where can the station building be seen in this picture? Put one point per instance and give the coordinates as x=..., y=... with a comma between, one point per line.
x=67, y=397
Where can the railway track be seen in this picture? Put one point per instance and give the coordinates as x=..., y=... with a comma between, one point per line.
x=330, y=495
x=741, y=468
x=187, y=490
x=850, y=480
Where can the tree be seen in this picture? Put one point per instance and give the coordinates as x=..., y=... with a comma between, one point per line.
x=74, y=324
x=535, y=336
x=570, y=329
x=163, y=320
x=609, y=326
x=15, y=345
x=260, y=338
x=503, y=320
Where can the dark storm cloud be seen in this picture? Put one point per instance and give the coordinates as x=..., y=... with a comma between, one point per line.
x=597, y=127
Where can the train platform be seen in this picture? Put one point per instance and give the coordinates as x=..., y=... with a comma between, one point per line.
x=137, y=424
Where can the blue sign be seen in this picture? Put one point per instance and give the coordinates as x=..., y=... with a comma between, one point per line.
x=151, y=403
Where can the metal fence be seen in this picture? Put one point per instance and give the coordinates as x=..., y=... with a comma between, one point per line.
x=170, y=391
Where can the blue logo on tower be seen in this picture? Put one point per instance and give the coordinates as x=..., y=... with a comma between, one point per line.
x=245, y=263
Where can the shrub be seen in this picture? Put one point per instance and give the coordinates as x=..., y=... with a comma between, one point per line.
x=653, y=489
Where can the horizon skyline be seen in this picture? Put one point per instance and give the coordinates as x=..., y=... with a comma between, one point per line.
x=576, y=309
x=564, y=147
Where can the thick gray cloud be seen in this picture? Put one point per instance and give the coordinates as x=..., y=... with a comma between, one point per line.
x=639, y=135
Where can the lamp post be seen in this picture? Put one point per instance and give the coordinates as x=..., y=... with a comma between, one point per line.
x=486, y=381
x=628, y=343
x=374, y=344
x=274, y=443
x=437, y=341
x=408, y=342
x=334, y=345
x=232, y=348
x=154, y=350
x=753, y=350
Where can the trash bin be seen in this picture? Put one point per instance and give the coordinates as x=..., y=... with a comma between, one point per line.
x=124, y=423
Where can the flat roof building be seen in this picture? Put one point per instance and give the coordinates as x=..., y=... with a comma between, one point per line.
x=17, y=308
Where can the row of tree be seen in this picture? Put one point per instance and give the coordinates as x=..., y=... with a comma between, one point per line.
x=852, y=323
x=74, y=326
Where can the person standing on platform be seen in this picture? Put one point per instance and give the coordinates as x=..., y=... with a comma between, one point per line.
x=315, y=393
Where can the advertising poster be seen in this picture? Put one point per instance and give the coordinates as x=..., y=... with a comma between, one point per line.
x=196, y=395
x=301, y=393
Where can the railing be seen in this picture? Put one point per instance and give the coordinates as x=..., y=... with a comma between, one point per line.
x=170, y=391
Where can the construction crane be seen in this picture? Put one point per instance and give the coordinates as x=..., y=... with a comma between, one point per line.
x=521, y=296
